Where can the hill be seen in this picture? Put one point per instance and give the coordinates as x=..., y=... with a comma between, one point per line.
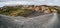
x=27, y=10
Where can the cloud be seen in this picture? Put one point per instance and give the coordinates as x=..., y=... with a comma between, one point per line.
x=53, y=4
x=42, y=0
x=50, y=3
x=56, y=0
x=17, y=3
x=30, y=2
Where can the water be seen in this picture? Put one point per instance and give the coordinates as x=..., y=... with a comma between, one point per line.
x=53, y=22
x=45, y=21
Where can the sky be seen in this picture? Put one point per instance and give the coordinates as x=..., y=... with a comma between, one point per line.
x=29, y=2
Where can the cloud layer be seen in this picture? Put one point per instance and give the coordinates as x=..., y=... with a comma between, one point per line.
x=29, y=2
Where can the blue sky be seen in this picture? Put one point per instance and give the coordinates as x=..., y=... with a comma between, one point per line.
x=29, y=2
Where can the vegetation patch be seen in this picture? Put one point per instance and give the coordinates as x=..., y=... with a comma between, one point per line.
x=15, y=11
